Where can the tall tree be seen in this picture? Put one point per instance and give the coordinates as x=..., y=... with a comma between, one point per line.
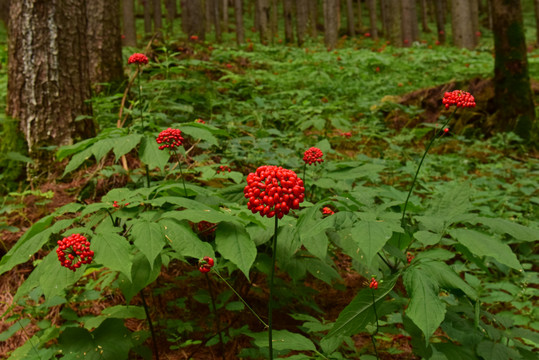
x=273, y=20
x=410, y=30
x=172, y=11
x=288, y=28
x=148, y=5
x=439, y=9
x=238, y=13
x=302, y=17
x=513, y=96
x=129, y=29
x=313, y=17
x=48, y=74
x=331, y=23
x=425, y=16
x=194, y=19
x=225, y=15
x=104, y=42
x=371, y=4
x=4, y=11
x=359, y=16
x=157, y=17
x=392, y=20
x=462, y=24
x=263, y=11
x=350, y=17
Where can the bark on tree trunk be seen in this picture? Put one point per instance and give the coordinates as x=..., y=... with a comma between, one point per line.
x=410, y=32
x=461, y=24
x=359, y=16
x=393, y=21
x=302, y=16
x=4, y=11
x=263, y=10
x=48, y=74
x=216, y=20
x=183, y=15
x=424, y=16
x=172, y=11
x=288, y=28
x=350, y=18
x=274, y=28
x=157, y=18
x=104, y=42
x=313, y=17
x=147, y=17
x=513, y=96
x=129, y=29
x=195, y=24
x=331, y=23
x=225, y=15
x=371, y=4
x=440, y=20
x=238, y=13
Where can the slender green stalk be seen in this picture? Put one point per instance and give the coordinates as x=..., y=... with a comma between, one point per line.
x=29, y=338
x=181, y=173
x=140, y=97
x=377, y=324
x=152, y=331
x=436, y=135
x=270, y=305
x=217, y=322
x=242, y=300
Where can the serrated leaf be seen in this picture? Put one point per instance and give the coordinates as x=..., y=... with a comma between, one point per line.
x=283, y=340
x=235, y=244
x=62, y=279
x=112, y=251
x=371, y=236
x=149, y=239
x=184, y=241
x=142, y=275
x=483, y=245
x=359, y=312
x=125, y=144
x=150, y=154
x=425, y=309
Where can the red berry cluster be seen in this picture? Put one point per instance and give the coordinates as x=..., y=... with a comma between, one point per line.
x=409, y=257
x=194, y=37
x=223, y=168
x=169, y=138
x=200, y=121
x=73, y=251
x=137, y=59
x=327, y=211
x=205, y=264
x=313, y=156
x=273, y=191
x=373, y=284
x=116, y=205
x=459, y=98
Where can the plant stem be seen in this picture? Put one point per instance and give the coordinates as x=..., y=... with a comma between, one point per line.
x=154, y=339
x=140, y=97
x=181, y=174
x=436, y=134
x=377, y=324
x=147, y=175
x=242, y=300
x=217, y=323
x=270, y=305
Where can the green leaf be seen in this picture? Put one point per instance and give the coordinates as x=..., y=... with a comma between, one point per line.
x=483, y=245
x=198, y=132
x=235, y=244
x=13, y=329
x=113, y=251
x=425, y=309
x=149, y=238
x=197, y=216
x=63, y=277
x=283, y=340
x=496, y=351
x=142, y=275
x=77, y=160
x=184, y=241
x=427, y=238
x=359, y=313
x=371, y=237
x=125, y=144
x=447, y=278
x=150, y=154
x=102, y=147
x=118, y=312
x=315, y=238
x=503, y=226
x=320, y=270
x=19, y=157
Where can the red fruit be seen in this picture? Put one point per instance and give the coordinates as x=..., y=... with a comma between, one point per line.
x=313, y=156
x=170, y=138
x=137, y=59
x=458, y=98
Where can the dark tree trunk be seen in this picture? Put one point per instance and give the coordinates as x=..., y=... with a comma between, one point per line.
x=302, y=16
x=274, y=27
x=238, y=13
x=263, y=10
x=392, y=18
x=129, y=29
x=216, y=19
x=410, y=32
x=195, y=24
x=183, y=15
x=373, y=18
x=350, y=17
x=4, y=11
x=104, y=42
x=225, y=15
x=157, y=18
x=425, y=16
x=48, y=74
x=359, y=16
x=147, y=4
x=462, y=24
x=313, y=17
x=513, y=96
x=288, y=28
x=172, y=11
x=440, y=20
x=331, y=21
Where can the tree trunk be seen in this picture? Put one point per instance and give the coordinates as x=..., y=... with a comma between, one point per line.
x=331, y=30
x=157, y=18
x=313, y=17
x=4, y=11
x=440, y=20
x=350, y=18
x=172, y=11
x=410, y=31
x=48, y=74
x=513, y=96
x=462, y=24
x=129, y=29
x=474, y=14
x=359, y=16
x=263, y=11
x=147, y=17
x=371, y=4
x=302, y=16
x=225, y=15
x=288, y=28
x=424, y=16
x=104, y=42
x=216, y=20
x=274, y=28
x=393, y=21
x=238, y=13
x=195, y=24
x=183, y=15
